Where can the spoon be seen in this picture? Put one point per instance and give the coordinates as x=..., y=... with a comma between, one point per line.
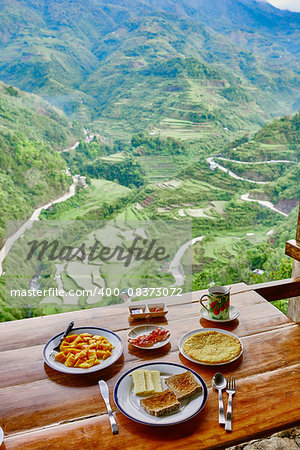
x=1, y=436
x=219, y=383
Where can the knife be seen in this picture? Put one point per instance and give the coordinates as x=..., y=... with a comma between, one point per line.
x=105, y=395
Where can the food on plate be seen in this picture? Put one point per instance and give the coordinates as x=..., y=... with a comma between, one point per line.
x=83, y=350
x=137, y=311
x=180, y=387
x=147, y=340
x=149, y=382
x=160, y=404
x=156, y=380
x=156, y=309
x=146, y=382
x=139, y=382
x=212, y=347
x=183, y=385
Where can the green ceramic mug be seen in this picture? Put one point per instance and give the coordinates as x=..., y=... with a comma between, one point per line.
x=218, y=298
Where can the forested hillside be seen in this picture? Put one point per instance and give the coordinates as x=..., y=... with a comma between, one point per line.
x=239, y=237
x=165, y=67
x=276, y=141
x=279, y=139
x=33, y=117
x=32, y=172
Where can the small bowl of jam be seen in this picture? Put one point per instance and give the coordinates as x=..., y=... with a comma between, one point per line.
x=157, y=309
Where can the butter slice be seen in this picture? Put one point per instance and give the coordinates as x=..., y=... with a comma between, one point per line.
x=139, y=382
x=155, y=374
x=146, y=382
x=149, y=383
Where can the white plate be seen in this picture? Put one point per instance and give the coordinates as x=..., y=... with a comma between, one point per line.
x=129, y=403
x=233, y=314
x=113, y=338
x=146, y=329
x=201, y=330
x=1, y=435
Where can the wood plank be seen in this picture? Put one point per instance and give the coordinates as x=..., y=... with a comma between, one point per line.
x=36, y=396
x=292, y=249
x=279, y=289
x=63, y=397
x=260, y=407
x=298, y=228
x=29, y=364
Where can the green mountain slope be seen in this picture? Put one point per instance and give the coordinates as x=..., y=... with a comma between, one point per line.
x=30, y=115
x=32, y=172
x=160, y=69
x=278, y=140
x=175, y=96
x=108, y=62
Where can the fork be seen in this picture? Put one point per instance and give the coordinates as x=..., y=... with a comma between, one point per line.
x=230, y=389
x=56, y=349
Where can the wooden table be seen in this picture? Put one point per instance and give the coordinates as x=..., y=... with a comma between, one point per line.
x=44, y=409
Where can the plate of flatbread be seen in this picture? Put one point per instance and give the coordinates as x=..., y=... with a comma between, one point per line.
x=211, y=346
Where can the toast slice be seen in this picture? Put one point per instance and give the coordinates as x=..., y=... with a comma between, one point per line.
x=183, y=385
x=160, y=404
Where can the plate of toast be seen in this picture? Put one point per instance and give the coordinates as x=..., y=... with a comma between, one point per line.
x=160, y=394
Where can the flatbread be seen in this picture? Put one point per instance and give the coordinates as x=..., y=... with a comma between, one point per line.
x=212, y=347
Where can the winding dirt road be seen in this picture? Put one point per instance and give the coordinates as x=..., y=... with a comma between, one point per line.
x=245, y=197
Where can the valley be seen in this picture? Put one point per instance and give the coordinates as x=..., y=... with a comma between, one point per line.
x=227, y=240
x=169, y=117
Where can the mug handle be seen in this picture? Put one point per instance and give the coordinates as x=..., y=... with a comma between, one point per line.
x=201, y=301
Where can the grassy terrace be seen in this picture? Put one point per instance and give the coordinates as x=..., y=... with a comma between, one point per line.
x=100, y=191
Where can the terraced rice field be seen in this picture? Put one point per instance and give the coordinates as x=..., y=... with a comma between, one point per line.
x=223, y=247
x=114, y=158
x=183, y=129
x=160, y=168
x=99, y=192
